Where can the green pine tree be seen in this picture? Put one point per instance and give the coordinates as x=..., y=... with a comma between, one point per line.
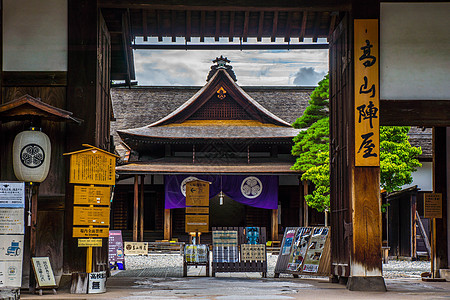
x=398, y=159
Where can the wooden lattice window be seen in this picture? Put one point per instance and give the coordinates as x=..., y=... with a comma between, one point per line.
x=217, y=109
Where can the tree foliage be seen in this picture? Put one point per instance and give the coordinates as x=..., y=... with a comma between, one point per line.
x=318, y=105
x=311, y=149
x=398, y=159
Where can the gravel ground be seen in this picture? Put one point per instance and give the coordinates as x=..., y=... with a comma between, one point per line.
x=170, y=265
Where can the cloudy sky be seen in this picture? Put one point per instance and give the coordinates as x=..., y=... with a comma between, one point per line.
x=252, y=67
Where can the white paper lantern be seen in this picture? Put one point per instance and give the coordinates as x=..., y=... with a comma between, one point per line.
x=31, y=156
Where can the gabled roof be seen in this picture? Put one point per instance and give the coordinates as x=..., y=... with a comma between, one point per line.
x=27, y=107
x=219, y=110
x=221, y=80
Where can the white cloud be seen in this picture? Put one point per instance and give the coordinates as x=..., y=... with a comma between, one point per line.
x=252, y=67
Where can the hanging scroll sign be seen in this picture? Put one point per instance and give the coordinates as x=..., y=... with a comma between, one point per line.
x=367, y=128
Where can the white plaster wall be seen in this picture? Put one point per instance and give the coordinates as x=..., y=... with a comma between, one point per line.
x=423, y=178
x=414, y=51
x=35, y=35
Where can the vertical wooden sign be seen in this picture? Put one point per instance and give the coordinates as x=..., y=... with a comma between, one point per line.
x=367, y=121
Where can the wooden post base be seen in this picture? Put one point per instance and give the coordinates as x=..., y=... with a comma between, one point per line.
x=366, y=283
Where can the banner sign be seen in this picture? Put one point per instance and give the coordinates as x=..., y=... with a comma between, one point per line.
x=257, y=191
x=367, y=98
x=12, y=221
x=92, y=195
x=12, y=194
x=115, y=249
x=43, y=271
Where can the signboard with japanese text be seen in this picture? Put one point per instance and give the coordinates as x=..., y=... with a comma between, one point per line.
x=12, y=221
x=197, y=223
x=432, y=205
x=197, y=193
x=366, y=63
x=92, y=166
x=43, y=272
x=253, y=252
x=85, y=232
x=97, y=282
x=91, y=195
x=89, y=242
x=90, y=215
x=12, y=194
x=136, y=248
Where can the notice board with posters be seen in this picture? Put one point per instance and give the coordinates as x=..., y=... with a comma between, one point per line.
x=12, y=228
x=305, y=251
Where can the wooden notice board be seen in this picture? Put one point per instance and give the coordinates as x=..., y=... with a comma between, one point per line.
x=197, y=223
x=92, y=195
x=367, y=103
x=433, y=205
x=90, y=215
x=92, y=166
x=197, y=193
x=86, y=232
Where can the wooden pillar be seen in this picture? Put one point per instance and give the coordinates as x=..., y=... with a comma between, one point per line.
x=366, y=243
x=167, y=224
x=135, y=209
x=274, y=224
x=441, y=137
x=141, y=211
x=34, y=211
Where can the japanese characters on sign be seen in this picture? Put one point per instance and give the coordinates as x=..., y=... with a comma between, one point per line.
x=99, y=232
x=12, y=228
x=43, y=272
x=136, y=248
x=90, y=215
x=367, y=130
x=92, y=167
x=97, y=282
x=91, y=195
x=253, y=252
x=432, y=205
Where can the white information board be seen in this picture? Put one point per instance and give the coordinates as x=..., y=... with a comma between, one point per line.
x=12, y=221
x=10, y=274
x=12, y=194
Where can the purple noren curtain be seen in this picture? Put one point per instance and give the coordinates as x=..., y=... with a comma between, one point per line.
x=253, y=190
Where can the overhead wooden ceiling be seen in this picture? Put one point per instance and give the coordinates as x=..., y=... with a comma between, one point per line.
x=202, y=19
